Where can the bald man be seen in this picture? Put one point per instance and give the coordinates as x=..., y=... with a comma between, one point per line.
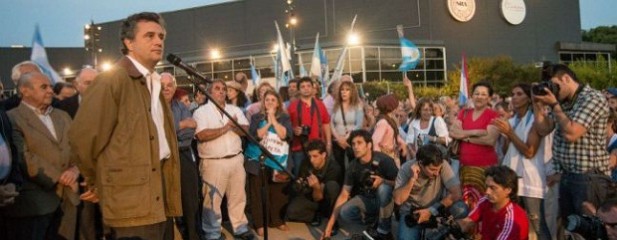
x=18, y=70
x=84, y=78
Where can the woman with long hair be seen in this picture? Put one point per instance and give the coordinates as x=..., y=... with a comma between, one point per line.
x=386, y=137
x=426, y=128
x=235, y=95
x=473, y=128
x=347, y=115
x=527, y=154
x=369, y=117
x=273, y=123
x=258, y=94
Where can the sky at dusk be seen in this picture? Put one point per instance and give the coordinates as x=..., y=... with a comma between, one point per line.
x=61, y=21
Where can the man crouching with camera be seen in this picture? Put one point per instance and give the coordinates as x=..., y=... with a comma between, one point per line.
x=419, y=190
x=369, y=181
x=317, y=187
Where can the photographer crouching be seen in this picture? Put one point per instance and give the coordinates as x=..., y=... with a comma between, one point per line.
x=419, y=190
x=579, y=116
x=368, y=185
x=317, y=186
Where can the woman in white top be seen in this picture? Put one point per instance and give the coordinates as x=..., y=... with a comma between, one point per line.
x=347, y=115
x=528, y=155
x=426, y=128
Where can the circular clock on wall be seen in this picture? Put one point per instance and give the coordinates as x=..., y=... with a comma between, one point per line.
x=462, y=10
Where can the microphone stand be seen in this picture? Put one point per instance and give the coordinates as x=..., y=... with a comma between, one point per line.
x=176, y=61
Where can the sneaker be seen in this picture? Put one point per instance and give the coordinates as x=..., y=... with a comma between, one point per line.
x=222, y=237
x=372, y=234
x=248, y=235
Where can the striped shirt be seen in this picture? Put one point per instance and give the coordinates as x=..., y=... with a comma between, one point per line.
x=587, y=153
x=508, y=223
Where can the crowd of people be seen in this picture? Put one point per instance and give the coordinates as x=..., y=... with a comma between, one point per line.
x=126, y=154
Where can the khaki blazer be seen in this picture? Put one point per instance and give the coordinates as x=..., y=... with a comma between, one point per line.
x=45, y=158
x=116, y=142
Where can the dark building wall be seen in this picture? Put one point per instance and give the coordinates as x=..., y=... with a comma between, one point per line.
x=246, y=27
x=59, y=58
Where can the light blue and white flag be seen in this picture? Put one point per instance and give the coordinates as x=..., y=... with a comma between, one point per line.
x=39, y=56
x=254, y=76
x=316, y=59
x=338, y=70
x=303, y=72
x=463, y=94
x=410, y=53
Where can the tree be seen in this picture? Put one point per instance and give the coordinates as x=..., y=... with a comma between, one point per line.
x=602, y=34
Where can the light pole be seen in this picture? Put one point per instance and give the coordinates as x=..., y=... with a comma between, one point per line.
x=92, y=38
x=292, y=22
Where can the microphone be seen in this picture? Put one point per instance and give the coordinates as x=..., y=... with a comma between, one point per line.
x=176, y=61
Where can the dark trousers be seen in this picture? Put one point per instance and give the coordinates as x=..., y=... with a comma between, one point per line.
x=302, y=208
x=35, y=227
x=158, y=231
x=340, y=154
x=275, y=200
x=189, y=224
x=573, y=191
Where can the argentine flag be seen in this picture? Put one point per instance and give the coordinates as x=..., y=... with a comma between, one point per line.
x=411, y=55
x=39, y=56
x=463, y=96
x=254, y=76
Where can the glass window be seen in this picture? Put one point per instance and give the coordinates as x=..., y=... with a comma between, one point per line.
x=371, y=53
x=223, y=75
x=372, y=76
x=372, y=65
x=434, y=76
x=390, y=64
x=204, y=67
x=390, y=53
x=565, y=57
x=434, y=64
x=240, y=64
x=433, y=53
x=222, y=65
x=355, y=53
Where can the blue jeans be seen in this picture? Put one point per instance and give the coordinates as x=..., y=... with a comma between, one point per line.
x=573, y=191
x=459, y=210
x=362, y=208
x=297, y=158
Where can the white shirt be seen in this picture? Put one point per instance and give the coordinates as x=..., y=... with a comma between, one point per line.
x=154, y=86
x=45, y=118
x=208, y=117
x=531, y=172
x=414, y=130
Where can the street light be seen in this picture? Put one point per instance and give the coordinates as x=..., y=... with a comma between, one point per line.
x=105, y=66
x=353, y=39
x=215, y=54
x=67, y=71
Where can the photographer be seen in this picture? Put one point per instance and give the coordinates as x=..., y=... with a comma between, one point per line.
x=595, y=224
x=309, y=120
x=369, y=181
x=579, y=117
x=419, y=190
x=501, y=217
x=317, y=187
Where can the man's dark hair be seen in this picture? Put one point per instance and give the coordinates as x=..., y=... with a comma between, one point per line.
x=316, y=144
x=504, y=177
x=483, y=84
x=429, y=154
x=61, y=85
x=607, y=205
x=216, y=80
x=127, y=30
x=294, y=81
x=366, y=135
x=558, y=70
x=305, y=79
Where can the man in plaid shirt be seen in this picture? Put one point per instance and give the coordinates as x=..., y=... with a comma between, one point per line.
x=579, y=117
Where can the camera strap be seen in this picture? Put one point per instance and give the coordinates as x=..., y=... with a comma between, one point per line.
x=313, y=110
x=569, y=104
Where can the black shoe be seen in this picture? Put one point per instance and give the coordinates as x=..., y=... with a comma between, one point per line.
x=248, y=235
x=334, y=229
x=316, y=222
x=222, y=237
x=372, y=234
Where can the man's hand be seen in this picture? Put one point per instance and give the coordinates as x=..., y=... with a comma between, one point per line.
x=313, y=181
x=89, y=195
x=377, y=181
x=553, y=179
x=423, y=215
x=8, y=193
x=69, y=176
x=298, y=130
x=407, y=82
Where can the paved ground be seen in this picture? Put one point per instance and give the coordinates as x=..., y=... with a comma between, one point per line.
x=300, y=231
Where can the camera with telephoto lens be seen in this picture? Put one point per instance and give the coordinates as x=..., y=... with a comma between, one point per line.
x=442, y=226
x=301, y=185
x=589, y=227
x=306, y=131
